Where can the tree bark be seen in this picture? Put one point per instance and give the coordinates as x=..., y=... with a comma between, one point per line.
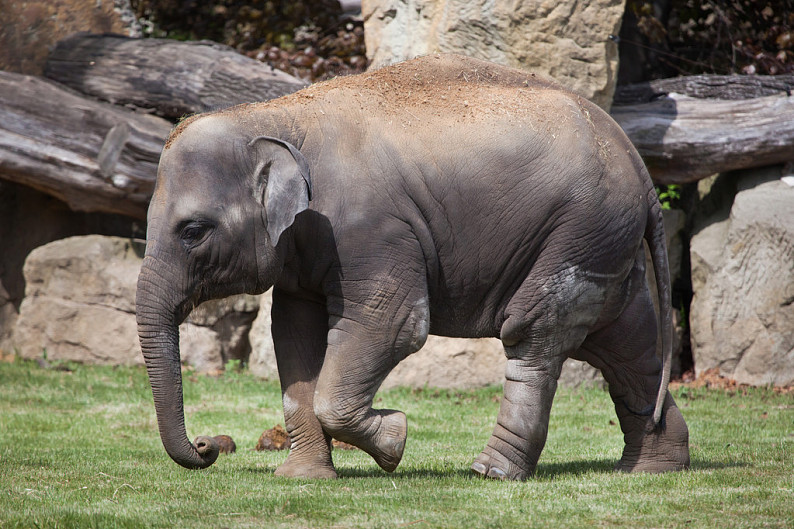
x=171, y=78
x=100, y=157
x=731, y=87
x=93, y=156
x=683, y=139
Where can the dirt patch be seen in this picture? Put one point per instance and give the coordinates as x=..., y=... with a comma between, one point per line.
x=712, y=379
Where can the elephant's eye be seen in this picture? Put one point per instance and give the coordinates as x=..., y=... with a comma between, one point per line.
x=194, y=232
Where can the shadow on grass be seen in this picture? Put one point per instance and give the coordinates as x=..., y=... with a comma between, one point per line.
x=544, y=472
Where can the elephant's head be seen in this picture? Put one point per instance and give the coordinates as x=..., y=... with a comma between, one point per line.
x=222, y=202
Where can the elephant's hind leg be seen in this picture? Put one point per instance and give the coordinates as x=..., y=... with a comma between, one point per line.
x=548, y=318
x=625, y=352
x=518, y=438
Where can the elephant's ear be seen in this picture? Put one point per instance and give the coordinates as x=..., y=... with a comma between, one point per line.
x=282, y=182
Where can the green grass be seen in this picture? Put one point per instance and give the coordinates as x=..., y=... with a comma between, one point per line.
x=81, y=449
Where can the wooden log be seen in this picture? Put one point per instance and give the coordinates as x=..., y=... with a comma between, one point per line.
x=731, y=87
x=100, y=157
x=683, y=139
x=92, y=155
x=171, y=78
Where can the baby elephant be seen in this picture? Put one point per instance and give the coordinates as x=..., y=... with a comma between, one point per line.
x=442, y=195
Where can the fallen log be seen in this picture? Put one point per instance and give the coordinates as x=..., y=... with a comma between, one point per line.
x=171, y=78
x=731, y=87
x=92, y=155
x=100, y=157
x=683, y=139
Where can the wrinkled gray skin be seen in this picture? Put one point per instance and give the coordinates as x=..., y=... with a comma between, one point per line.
x=448, y=196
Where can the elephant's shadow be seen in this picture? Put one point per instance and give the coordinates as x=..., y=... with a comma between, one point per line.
x=544, y=472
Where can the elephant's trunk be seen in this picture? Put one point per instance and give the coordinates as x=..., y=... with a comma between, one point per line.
x=159, y=337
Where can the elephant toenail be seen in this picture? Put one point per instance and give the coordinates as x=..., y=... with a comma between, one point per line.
x=479, y=468
x=497, y=473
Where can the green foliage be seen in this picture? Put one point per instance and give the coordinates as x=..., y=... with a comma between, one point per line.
x=233, y=365
x=80, y=448
x=668, y=195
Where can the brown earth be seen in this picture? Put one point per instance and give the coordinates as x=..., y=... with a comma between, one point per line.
x=711, y=379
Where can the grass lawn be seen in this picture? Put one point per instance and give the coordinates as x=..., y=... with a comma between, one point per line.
x=80, y=448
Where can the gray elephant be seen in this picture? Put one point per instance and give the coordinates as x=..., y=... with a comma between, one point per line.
x=442, y=195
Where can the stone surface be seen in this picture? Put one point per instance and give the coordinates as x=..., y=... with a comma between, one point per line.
x=80, y=305
x=443, y=362
x=44, y=219
x=262, y=361
x=80, y=302
x=742, y=313
x=567, y=40
x=451, y=363
x=31, y=28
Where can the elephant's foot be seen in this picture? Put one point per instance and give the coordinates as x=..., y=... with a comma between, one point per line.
x=309, y=457
x=492, y=464
x=389, y=441
x=382, y=435
x=514, y=448
x=661, y=449
x=502, y=459
x=311, y=466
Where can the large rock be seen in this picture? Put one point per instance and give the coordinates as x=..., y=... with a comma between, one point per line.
x=742, y=313
x=262, y=361
x=29, y=219
x=469, y=363
x=442, y=363
x=567, y=40
x=451, y=363
x=80, y=305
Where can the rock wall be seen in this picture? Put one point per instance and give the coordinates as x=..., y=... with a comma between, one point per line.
x=80, y=306
x=29, y=219
x=458, y=363
x=742, y=313
x=567, y=40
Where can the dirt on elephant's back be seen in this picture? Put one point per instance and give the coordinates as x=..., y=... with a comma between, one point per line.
x=447, y=84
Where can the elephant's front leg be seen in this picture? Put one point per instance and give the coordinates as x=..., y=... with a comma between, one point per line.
x=300, y=329
x=363, y=347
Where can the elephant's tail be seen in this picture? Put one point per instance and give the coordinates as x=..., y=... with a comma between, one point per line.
x=654, y=235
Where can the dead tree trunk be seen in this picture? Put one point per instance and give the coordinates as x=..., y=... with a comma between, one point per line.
x=731, y=87
x=683, y=139
x=171, y=78
x=101, y=157
x=91, y=155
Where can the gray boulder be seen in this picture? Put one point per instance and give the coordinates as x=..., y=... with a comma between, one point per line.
x=262, y=361
x=79, y=305
x=454, y=363
x=742, y=313
x=567, y=40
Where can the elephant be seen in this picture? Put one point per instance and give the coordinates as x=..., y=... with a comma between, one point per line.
x=443, y=195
